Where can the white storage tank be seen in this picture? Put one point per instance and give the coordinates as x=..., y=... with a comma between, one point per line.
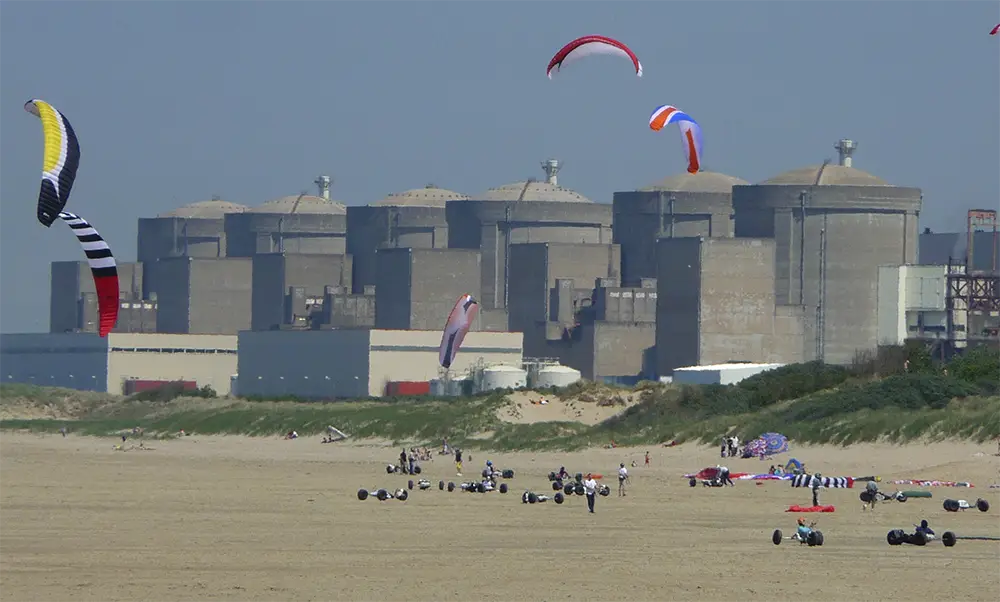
x=458, y=387
x=503, y=377
x=556, y=376
x=439, y=388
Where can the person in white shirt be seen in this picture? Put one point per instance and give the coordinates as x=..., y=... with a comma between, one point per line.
x=590, y=488
x=622, y=479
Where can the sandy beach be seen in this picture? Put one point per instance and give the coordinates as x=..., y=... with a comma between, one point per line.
x=234, y=518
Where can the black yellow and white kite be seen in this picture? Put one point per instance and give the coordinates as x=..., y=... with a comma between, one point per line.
x=61, y=158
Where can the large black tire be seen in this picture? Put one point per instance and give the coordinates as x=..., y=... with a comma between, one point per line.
x=579, y=477
x=951, y=505
x=403, y=495
x=895, y=537
x=416, y=469
x=693, y=482
x=389, y=469
x=982, y=504
x=901, y=497
x=557, y=485
x=553, y=477
x=362, y=494
x=569, y=489
x=532, y=498
x=451, y=486
x=865, y=497
x=441, y=485
x=559, y=498
x=503, y=487
x=815, y=538
x=605, y=491
x=917, y=539
x=578, y=489
x=776, y=537
x=485, y=473
x=524, y=497
x=507, y=474
x=382, y=495
x=409, y=484
x=948, y=539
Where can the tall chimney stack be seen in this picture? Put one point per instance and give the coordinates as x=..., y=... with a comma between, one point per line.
x=323, y=182
x=845, y=148
x=551, y=168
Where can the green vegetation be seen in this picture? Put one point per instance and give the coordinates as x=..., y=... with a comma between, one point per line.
x=897, y=395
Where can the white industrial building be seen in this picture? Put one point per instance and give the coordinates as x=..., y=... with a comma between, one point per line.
x=913, y=303
x=719, y=374
x=88, y=362
x=326, y=364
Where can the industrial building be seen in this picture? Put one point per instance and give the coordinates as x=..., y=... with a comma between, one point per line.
x=719, y=374
x=73, y=299
x=699, y=204
x=716, y=304
x=832, y=226
x=522, y=212
x=352, y=363
x=203, y=296
x=280, y=279
x=411, y=219
x=417, y=288
x=912, y=304
x=88, y=362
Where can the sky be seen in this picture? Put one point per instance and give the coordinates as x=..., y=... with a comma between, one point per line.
x=174, y=102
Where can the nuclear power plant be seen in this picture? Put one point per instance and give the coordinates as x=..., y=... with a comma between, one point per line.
x=815, y=263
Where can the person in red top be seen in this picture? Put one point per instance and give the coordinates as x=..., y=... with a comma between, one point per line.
x=647, y=458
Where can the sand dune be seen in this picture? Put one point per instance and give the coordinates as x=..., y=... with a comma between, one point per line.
x=234, y=518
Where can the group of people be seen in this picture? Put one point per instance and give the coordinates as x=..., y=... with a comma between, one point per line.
x=408, y=461
x=730, y=447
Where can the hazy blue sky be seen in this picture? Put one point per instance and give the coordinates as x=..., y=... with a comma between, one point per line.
x=174, y=102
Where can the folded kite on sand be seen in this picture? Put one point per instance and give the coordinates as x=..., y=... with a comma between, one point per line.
x=797, y=508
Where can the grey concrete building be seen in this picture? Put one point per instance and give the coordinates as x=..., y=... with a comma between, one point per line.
x=73, y=298
x=716, y=304
x=194, y=230
x=416, y=288
x=942, y=248
x=291, y=224
x=203, y=296
x=684, y=205
x=522, y=212
x=346, y=363
x=413, y=218
x=832, y=226
x=87, y=362
x=275, y=273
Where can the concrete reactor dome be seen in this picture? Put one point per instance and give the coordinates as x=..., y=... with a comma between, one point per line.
x=301, y=204
x=832, y=227
x=531, y=190
x=825, y=175
x=302, y=223
x=428, y=196
x=703, y=181
x=211, y=209
x=680, y=206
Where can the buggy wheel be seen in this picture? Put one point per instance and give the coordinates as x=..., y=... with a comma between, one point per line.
x=982, y=504
x=382, y=495
x=362, y=494
x=895, y=537
x=918, y=539
x=441, y=485
x=507, y=474
x=552, y=476
x=900, y=497
x=578, y=489
x=817, y=538
x=559, y=498
x=416, y=469
x=451, y=486
x=948, y=539
x=503, y=487
x=409, y=484
x=693, y=482
x=557, y=485
x=951, y=505
x=569, y=489
x=532, y=498
x=403, y=495
x=865, y=497
x=776, y=537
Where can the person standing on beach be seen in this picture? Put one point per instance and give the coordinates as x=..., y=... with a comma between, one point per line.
x=590, y=488
x=458, y=461
x=622, y=479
